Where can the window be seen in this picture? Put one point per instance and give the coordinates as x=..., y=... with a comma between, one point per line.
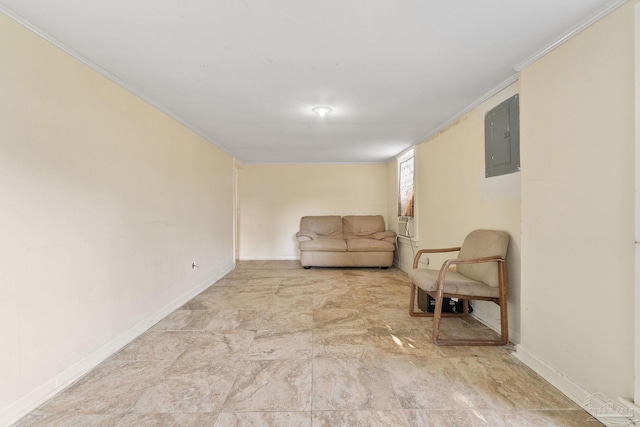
x=405, y=187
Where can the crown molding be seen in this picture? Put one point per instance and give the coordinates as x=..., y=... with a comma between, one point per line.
x=601, y=13
x=109, y=76
x=510, y=80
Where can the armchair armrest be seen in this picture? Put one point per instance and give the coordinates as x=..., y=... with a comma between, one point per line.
x=447, y=265
x=304, y=235
x=431, y=251
x=473, y=260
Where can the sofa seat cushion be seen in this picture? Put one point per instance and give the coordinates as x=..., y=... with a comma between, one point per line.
x=369, y=245
x=324, y=245
x=455, y=283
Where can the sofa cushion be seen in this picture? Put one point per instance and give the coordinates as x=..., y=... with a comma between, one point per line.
x=362, y=226
x=324, y=226
x=369, y=245
x=324, y=245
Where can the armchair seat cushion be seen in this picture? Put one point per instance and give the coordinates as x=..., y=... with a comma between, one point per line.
x=455, y=283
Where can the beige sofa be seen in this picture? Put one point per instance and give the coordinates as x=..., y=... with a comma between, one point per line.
x=349, y=241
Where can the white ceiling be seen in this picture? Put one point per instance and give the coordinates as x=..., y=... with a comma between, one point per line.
x=245, y=74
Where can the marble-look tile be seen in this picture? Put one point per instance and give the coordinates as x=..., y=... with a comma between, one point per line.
x=166, y=419
x=264, y=419
x=206, y=419
x=351, y=384
x=157, y=345
x=341, y=342
x=387, y=341
x=395, y=280
x=295, y=301
x=338, y=318
x=551, y=418
x=281, y=345
x=508, y=384
x=474, y=351
x=201, y=387
x=329, y=286
x=236, y=319
x=294, y=279
x=450, y=329
x=393, y=318
x=113, y=387
x=291, y=320
x=181, y=320
x=70, y=420
x=359, y=419
x=212, y=345
x=334, y=299
x=373, y=272
x=265, y=281
x=271, y=385
x=219, y=298
x=325, y=274
x=456, y=417
x=376, y=298
x=206, y=302
x=431, y=383
x=364, y=286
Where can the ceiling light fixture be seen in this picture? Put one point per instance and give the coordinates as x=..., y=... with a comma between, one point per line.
x=321, y=111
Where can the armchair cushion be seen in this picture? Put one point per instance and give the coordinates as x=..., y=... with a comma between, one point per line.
x=455, y=283
x=483, y=243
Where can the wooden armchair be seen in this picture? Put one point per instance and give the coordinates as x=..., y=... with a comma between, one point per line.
x=480, y=274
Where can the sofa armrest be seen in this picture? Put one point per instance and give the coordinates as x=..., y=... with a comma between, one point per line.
x=304, y=235
x=382, y=235
x=391, y=240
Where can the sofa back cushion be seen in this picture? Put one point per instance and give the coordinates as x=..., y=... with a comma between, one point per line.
x=326, y=227
x=362, y=226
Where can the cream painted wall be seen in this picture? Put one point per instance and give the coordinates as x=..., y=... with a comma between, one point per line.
x=273, y=198
x=106, y=202
x=577, y=145
x=453, y=197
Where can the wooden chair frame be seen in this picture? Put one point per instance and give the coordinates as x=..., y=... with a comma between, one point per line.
x=439, y=295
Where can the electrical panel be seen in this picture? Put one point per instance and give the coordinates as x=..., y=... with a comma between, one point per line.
x=502, y=138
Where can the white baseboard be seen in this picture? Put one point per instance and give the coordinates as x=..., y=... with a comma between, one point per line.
x=269, y=258
x=608, y=412
x=59, y=382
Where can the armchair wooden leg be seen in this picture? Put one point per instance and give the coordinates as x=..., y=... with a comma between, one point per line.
x=412, y=305
x=504, y=338
x=412, y=298
x=437, y=315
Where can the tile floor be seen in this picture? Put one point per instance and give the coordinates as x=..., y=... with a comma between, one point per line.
x=272, y=344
